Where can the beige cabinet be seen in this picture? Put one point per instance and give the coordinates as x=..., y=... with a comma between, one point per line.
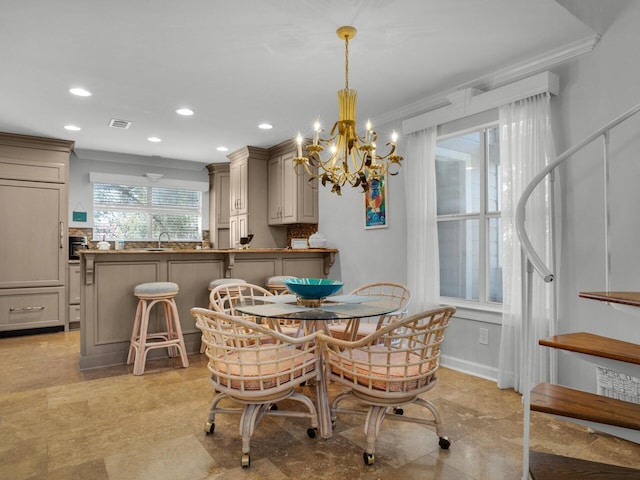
x=33, y=242
x=73, y=296
x=219, y=204
x=248, y=199
x=238, y=184
x=292, y=198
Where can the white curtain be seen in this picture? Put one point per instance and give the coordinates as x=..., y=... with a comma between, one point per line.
x=526, y=146
x=423, y=266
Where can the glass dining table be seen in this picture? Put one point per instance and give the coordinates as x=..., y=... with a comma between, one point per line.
x=318, y=316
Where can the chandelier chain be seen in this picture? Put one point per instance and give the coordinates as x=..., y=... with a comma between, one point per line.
x=346, y=63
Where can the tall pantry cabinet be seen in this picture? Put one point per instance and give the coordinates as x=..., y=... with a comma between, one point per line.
x=34, y=174
x=248, y=199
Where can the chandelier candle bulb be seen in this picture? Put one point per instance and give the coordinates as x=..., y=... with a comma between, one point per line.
x=299, y=142
x=367, y=137
x=316, y=131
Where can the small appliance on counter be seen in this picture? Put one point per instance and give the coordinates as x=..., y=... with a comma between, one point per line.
x=245, y=241
x=317, y=240
x=75, y=244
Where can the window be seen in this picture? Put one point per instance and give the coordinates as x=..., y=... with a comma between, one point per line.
x=133, y=212
x=469, y=230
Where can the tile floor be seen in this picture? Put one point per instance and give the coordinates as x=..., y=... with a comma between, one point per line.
x=57, y=423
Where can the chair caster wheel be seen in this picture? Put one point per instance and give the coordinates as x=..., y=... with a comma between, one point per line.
x=398, y=411
x=444, y=443
x=209, y=427
x=369, y=458
x=246, y=460
x=311, y=432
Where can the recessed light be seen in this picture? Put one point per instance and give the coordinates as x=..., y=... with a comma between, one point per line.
x=73, y=128
x=222, y=149
x=265, y=126
x=186, y=112
x=154, y=139
x=80, y=92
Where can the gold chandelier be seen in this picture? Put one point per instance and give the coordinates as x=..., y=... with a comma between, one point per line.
x=351, y=158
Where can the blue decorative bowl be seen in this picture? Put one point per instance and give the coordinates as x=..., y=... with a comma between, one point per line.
x=312, y=288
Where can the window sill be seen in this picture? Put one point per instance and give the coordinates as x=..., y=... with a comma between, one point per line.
x=473, y=311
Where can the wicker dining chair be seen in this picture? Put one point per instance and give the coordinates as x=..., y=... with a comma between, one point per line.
x=391, y=367
x=255, y=366
x=395, y=293
x=224, y=298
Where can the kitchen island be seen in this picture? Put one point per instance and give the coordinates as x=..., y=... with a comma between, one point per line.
x=108, y=277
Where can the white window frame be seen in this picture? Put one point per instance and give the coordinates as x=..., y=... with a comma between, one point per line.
x=476, y=310
x=149, y=209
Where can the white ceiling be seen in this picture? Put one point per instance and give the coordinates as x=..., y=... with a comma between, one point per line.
x=243, y=62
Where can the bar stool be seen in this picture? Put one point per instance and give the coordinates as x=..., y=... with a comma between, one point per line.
x=150, y=294
x=222, y=281
x=276, y=285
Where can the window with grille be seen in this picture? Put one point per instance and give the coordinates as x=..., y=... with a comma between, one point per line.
x=469, y=209
x=142, y=213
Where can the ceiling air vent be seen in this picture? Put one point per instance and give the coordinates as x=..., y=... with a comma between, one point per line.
x=115, y=123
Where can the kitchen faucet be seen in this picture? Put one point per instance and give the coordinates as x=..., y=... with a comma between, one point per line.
x=160, y=238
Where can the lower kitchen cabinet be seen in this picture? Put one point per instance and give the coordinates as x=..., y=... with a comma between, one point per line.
x=24, y=308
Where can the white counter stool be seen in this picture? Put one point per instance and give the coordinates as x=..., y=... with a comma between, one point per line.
x=276, y=285
x=150, y=294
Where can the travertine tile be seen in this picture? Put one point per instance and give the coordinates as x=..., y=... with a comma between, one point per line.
x=106, y=424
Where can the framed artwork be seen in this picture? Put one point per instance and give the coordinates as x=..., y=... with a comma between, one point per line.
x=376, y=204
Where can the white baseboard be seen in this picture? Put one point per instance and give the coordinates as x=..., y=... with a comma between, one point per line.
x=472, y=368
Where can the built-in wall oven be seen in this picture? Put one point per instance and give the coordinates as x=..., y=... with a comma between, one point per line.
x=75, y=244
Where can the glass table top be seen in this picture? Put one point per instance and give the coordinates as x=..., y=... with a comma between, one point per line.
x=330, y=308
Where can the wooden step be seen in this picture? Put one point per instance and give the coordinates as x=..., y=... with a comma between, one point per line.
x=545, y=466
x=624, y=298
x=595, y=345
x=567, y=402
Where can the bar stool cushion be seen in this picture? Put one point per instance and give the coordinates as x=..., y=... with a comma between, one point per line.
x=152, y=289
x=277, y=280
x=222, y=281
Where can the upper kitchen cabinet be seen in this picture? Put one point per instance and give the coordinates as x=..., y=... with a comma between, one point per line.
x=219, y=204
x=248, y=199
x=292, y=197
x=33, y=237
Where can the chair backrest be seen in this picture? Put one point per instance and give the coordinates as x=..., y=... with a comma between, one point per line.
x=399, y=359
x=225, y=297
x=249, y=360
x=396, y=293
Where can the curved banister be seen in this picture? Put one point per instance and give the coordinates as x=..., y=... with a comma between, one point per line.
x=527, y=247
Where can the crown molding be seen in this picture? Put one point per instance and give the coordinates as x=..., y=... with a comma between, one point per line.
x=496, y=79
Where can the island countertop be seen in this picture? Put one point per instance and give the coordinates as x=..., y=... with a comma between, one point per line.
x=108, y=278
x=208, y=250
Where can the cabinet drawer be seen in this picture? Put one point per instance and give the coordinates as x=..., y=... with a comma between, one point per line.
x=74, y=316
x=31, y=308
x=73, y=284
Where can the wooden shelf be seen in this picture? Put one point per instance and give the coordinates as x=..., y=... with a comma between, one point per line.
x=567, y=402
x=624, y=298
x=595, y=345
x=545, y=466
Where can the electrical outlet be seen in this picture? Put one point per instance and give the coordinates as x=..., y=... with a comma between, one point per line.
x=483, y=336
